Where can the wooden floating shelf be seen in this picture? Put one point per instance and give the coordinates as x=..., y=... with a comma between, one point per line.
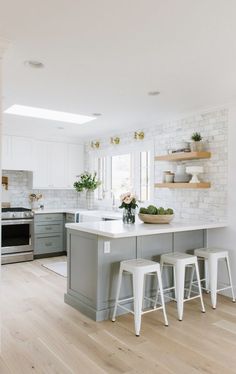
x=183, y=156
x=183, y=185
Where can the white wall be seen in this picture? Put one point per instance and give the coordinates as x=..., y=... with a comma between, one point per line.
x=226, y=238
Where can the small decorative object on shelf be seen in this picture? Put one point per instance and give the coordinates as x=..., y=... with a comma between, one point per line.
x=197, y=144
x=128, y=203
x=194, y=170
x=34, y=198
x=88, y=182
x=115, y=140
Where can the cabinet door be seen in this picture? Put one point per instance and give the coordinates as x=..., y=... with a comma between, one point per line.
x=48, y=244
x=75, y=163
x=16, y=153
x=41, y=165
x=57, y=165
x=6, y=152
x=21, y=150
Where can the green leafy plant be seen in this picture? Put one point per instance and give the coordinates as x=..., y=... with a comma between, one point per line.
x=196, y=137
x=151, y=209
x=87, y=181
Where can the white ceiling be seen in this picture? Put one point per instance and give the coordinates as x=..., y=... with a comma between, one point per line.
x=105, y=56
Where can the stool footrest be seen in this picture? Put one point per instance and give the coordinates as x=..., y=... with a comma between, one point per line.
x=127, y=309
x=192, y=298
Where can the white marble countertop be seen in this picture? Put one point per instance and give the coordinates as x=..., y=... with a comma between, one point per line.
x=116, y=229
x=95, y=213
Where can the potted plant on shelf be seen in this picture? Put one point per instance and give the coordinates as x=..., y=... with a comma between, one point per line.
x=197, y=144
x=89, y=182
x=129, y=204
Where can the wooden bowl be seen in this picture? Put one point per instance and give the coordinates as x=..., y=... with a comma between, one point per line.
x=156, y=218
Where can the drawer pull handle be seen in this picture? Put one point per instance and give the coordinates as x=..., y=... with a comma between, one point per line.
x=48, y=244
x=48, y=228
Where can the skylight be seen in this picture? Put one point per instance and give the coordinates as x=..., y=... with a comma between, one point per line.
x=53, y=115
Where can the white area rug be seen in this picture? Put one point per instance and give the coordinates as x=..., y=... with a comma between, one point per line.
x=58, y=267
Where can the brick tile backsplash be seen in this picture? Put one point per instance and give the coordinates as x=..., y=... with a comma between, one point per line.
x=209, y=204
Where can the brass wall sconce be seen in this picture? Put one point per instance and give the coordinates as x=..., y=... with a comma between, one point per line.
x=139, y=135
x=115, y=140
x=95, y=145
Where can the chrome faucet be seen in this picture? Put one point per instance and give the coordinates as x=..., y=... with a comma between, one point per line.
x=113, y=200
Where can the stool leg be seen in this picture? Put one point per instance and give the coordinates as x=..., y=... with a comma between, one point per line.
x=206, y=274
x=162, y=296
x=230, y=277
x=179, y=291
x=158, y=284
x=199, y=286
x=117, y=294
x=213, y=272
x=174, y=283
x=138, y=282
x=191, y=282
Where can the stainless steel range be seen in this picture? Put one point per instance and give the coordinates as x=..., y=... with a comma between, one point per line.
x=17, y=226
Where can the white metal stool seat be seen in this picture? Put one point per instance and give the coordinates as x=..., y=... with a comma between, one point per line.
x=139, y=268
x=179, y=262
x=211, y=256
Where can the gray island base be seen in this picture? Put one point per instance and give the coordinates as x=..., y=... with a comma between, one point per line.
x=95, y=249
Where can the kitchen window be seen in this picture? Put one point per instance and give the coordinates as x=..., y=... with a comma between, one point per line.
x=126, y=171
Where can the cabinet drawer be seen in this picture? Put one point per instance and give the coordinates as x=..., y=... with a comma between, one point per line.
x=48, y=217
x=49, y=244
x=42, y=228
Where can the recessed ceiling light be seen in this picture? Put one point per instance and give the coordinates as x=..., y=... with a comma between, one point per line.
x=97, y=114
x=154, y=93
x=34, y=64
x=53, y=115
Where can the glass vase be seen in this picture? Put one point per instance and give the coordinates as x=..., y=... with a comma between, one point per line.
x=128, y=215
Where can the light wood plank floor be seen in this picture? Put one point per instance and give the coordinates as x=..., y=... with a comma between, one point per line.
x=41, y=334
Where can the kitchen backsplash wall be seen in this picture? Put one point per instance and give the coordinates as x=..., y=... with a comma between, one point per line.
x=204, y=204
x=19, y=190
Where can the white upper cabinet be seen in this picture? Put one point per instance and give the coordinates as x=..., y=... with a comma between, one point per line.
x=40, y=160
x=6, y=152
x=55, y=165
x=75, y=163
x=17, y=153
x=57, y=162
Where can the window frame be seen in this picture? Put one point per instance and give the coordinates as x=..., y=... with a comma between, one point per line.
x=105, y=193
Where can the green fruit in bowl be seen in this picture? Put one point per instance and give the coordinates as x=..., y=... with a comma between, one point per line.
x=143, y=210
x=151, y=209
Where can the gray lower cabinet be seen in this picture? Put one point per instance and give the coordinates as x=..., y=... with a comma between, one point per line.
x=48, y=234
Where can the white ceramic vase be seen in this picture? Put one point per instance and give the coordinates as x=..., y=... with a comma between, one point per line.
x=196, y=146
x=90, y=199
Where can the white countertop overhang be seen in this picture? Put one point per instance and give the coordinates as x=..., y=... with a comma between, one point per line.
x=116, y=229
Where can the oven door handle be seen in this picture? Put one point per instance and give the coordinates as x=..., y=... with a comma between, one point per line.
x=16, y=221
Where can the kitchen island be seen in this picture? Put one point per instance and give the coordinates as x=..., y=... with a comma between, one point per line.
x=95, y=249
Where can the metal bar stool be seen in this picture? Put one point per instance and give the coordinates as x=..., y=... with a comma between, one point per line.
x=179, y=262
x=139, y=268
x=211, y=257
